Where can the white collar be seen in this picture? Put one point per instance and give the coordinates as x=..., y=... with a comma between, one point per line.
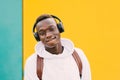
x=68, y=49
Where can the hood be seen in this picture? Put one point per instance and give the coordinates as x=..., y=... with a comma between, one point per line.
x=68, y=49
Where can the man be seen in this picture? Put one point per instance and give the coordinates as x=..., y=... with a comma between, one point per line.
x=59, y=63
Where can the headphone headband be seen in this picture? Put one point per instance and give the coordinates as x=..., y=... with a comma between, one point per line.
x=56, y=18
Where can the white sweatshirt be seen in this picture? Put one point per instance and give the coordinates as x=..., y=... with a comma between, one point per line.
x=57, y=67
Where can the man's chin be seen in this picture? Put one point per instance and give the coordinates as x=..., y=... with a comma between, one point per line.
x=49, y=46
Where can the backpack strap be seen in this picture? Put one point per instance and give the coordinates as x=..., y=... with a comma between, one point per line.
x=40, y=64
x=78, y=61
x=39, y=67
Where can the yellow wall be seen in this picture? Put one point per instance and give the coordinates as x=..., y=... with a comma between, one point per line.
x=92, y=25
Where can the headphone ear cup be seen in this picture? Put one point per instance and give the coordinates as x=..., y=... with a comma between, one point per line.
x=36, y=36
x=60, y=27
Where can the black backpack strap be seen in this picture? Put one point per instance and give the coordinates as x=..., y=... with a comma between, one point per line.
x=78, y=61
x=39, y=67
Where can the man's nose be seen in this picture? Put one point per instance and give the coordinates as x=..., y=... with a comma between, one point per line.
x=48, y=35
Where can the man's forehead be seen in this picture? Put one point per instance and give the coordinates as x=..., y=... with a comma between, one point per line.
x=46, y=21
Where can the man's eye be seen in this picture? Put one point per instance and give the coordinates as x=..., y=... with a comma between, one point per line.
x=51, y=29
x=41, y=33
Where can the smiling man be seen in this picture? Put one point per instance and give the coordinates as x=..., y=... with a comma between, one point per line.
x=49, y=35
x=55, y=58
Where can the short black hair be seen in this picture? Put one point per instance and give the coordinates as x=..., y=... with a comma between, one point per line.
x=40, y=18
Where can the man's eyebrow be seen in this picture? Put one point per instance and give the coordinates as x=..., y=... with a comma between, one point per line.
x=40, y=30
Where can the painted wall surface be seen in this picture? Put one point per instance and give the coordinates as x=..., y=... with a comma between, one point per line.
x=93, y=25
x=11, y=40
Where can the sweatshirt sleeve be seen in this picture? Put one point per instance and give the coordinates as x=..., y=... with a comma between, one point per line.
x=86, y=73
x=30, y=69
x=27, y=72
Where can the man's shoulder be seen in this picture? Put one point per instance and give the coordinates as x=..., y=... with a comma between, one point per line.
x=31, y=58
x=30, y=65
x=79, y=51
x=82, y=55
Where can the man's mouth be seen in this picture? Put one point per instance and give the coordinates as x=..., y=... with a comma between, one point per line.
x=51, y=39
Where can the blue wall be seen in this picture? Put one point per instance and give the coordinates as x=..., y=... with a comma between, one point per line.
x=11, y=40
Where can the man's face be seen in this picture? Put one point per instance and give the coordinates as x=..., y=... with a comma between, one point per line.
x=48, y=32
